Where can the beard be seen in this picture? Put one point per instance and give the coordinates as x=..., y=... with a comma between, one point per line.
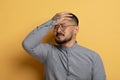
x=58, y=41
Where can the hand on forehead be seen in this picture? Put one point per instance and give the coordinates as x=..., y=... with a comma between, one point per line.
x=63, y=16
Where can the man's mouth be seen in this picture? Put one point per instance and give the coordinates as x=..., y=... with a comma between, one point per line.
x=59, y=34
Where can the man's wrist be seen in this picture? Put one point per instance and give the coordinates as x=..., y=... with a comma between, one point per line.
x=53, y=21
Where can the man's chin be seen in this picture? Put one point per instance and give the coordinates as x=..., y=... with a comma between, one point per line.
x=59, y=41
x=62, y=40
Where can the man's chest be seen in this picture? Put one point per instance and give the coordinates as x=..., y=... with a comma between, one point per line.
x=71, y=63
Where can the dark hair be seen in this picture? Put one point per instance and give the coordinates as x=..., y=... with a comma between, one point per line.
x=74, y=18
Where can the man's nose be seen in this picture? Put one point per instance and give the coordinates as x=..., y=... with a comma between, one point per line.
x=59, y=29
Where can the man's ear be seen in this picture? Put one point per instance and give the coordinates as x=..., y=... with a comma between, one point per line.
x=76, y=29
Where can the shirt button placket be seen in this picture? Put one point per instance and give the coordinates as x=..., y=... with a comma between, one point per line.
x=68, y=73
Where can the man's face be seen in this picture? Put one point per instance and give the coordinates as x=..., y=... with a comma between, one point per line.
x=64, y=31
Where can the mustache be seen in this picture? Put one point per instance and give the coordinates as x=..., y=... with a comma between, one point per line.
x=59, y=34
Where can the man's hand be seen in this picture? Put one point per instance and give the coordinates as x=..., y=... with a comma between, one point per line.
x=60, y=17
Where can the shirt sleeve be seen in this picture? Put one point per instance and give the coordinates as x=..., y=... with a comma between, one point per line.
x=32, y=42
x=98, y=69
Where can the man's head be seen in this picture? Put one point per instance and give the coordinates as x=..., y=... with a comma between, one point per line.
x=66, y=28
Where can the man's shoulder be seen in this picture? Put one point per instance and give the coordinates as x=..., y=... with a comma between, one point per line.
x=86, y=50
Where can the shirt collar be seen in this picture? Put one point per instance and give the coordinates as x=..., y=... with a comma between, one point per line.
x=68, y=48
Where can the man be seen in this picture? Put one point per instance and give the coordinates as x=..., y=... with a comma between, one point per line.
x=67, y=60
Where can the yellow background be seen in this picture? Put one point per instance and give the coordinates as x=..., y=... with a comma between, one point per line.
x=99, y=31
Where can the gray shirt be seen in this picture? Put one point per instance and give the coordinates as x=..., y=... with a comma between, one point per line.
x=73, y=63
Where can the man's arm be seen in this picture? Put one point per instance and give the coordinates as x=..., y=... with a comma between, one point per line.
x=34, y=38
x=32, y=42
x=98, y=69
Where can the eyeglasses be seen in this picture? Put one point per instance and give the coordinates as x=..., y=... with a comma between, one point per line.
x=61, y=26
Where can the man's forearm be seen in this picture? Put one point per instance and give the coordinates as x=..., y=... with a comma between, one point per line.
x=33, y=39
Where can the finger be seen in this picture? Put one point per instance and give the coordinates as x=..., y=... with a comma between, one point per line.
x=66, y=15
x=63, y=14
